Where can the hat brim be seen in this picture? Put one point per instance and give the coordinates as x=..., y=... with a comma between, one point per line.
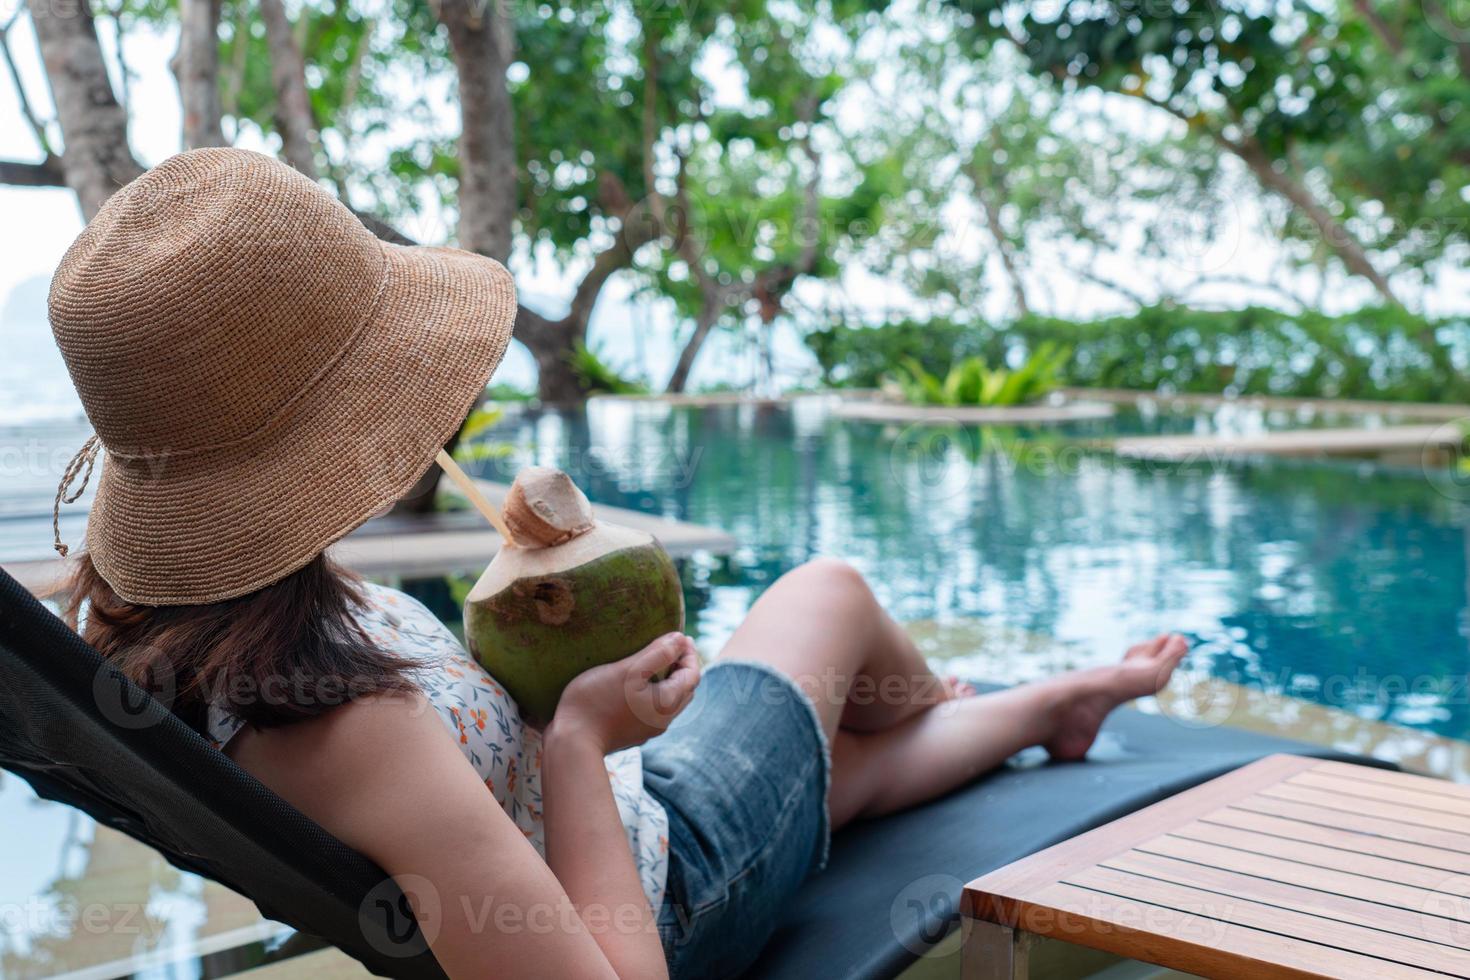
x=205, y=527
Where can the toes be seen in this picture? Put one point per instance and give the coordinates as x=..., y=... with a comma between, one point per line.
x=1172, y=652
x=1148, y=649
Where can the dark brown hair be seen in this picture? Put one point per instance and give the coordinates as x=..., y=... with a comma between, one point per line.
x=284, y=653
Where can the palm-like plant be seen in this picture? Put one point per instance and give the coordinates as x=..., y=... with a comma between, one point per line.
x=599, y=377
x=972, y=382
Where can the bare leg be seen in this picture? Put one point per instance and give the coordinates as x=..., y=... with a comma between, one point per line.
x=821, y=625
x=932, y=753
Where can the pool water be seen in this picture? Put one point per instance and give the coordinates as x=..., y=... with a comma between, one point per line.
x=1344, y=584
x=1014, y=552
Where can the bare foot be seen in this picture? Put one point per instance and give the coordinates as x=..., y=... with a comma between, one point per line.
x=1089, y=696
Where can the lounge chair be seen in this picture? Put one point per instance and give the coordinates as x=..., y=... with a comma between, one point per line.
x=80, y=733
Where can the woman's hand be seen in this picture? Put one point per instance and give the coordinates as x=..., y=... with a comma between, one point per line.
x=619, y=705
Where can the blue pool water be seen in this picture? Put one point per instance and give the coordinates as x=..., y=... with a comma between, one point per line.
x=1342, y=583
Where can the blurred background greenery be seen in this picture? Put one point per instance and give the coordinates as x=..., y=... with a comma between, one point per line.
x=1252, y=196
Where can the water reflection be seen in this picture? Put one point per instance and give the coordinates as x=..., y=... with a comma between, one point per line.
x=1342, y=583
x=77, y=896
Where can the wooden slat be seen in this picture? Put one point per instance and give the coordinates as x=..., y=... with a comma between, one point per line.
x=1315, y=939
x=1185, y=940
x=1388, y=893
x=1388, y=777
x=1305, y=852
x=1358, y=842
x=1087, y=849
x=1342, y=820
x=1362, y=789
x=1285, y=868
x=1450, y=939
x=1458, y=823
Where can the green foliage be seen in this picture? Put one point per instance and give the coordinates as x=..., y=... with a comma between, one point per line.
x=472, y=446
x=1358, y=101
x=1373, y=353
x=861, y=357
x=501, y=391
x=973, y=382
x=598, y=377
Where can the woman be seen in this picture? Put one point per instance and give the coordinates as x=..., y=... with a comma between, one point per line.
x=265, y=376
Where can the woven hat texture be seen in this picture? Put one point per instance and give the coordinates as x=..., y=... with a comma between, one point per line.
x=262, y=372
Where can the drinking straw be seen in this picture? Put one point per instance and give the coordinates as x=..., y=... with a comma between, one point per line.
x=470, y=490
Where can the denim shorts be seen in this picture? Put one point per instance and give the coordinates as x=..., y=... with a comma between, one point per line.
x=743, y=773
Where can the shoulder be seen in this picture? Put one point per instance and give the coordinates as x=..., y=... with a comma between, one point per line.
x=364, y=770
x=400, y=611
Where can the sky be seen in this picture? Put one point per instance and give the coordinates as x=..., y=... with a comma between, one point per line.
x=37, y=225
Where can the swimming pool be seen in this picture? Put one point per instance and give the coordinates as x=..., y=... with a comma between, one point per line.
x=1343, y=584
x=1012, y=552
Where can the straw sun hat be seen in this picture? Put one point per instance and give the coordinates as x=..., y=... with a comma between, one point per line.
x=263, y=374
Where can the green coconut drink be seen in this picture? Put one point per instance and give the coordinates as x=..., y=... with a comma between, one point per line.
x=567, y=592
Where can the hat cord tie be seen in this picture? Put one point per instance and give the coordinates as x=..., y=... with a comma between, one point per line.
x=82, y=463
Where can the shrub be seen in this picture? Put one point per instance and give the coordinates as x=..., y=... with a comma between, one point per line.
x=599, y=377
x=973, y=382
x=1375, y=353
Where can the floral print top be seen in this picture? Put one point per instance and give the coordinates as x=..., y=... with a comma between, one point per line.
x=486, y=725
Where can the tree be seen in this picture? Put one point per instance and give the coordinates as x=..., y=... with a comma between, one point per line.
x=1272, y=86
x=97, y=157
x=196, y=67
x=757, y=195
x=994, y=179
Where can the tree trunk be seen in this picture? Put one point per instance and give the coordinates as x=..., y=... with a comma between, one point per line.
x=704, y=325
x=550, y=343
x=986, y=194
x=480, y=35
x=294, y=117
x=1338, y=238
x=1003, y=246
x=196, y=67
x=97, y=159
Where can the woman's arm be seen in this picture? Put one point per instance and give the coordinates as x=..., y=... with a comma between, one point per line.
x=587, y=849
x=605, y=709
x=385, y=777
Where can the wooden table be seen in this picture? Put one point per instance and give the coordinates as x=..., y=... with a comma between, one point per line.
x=1288, y=867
